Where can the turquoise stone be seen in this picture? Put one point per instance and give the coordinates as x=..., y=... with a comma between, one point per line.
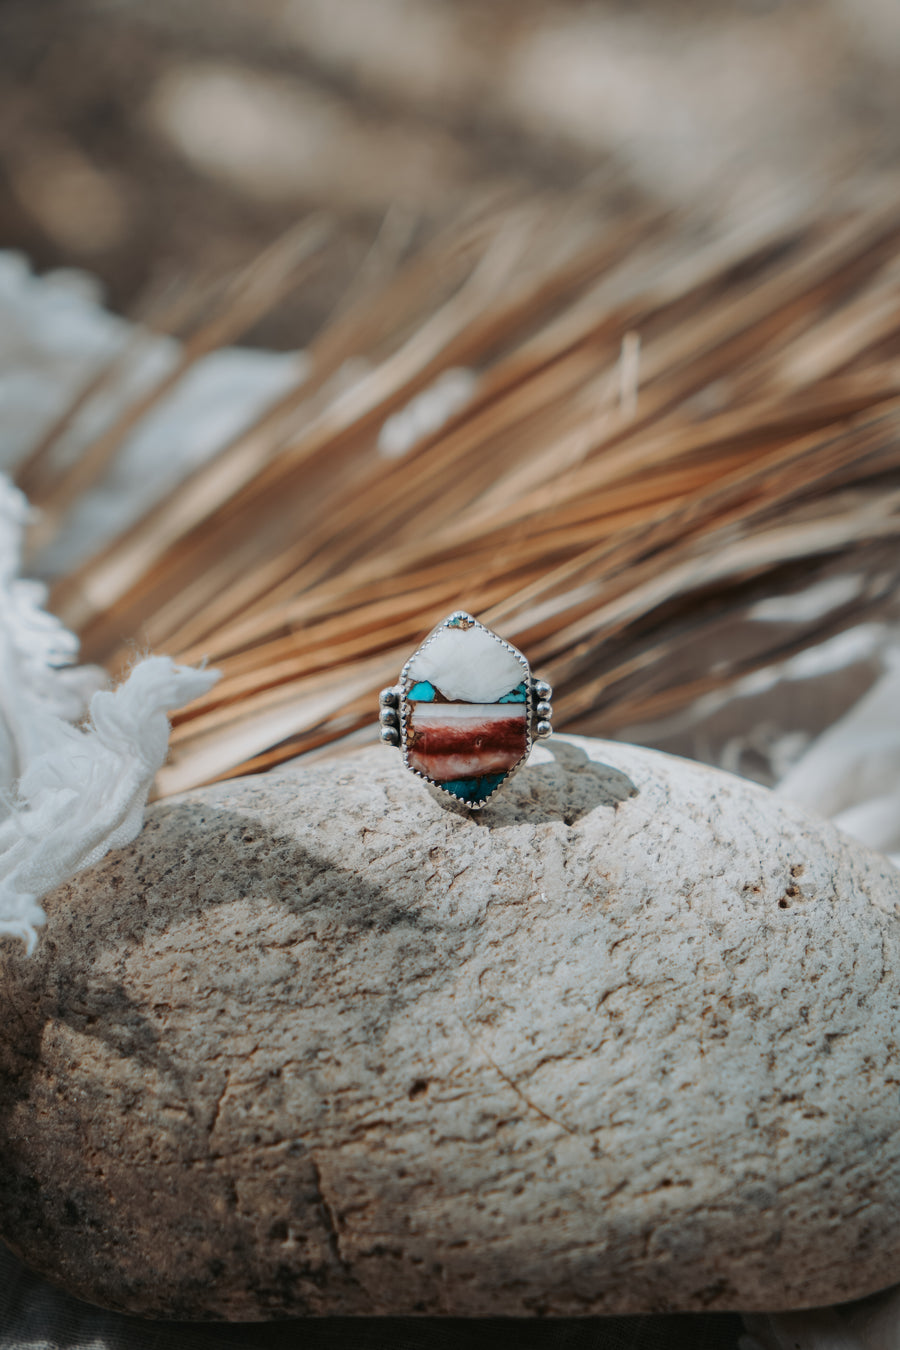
x=516, y=695
x=474, y=789
x=423, y=692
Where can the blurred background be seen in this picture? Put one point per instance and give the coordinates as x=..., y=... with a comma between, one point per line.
x=386, y=201
x=150, y=139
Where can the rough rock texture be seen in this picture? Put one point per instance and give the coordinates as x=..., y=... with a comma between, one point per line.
x=318, y=1043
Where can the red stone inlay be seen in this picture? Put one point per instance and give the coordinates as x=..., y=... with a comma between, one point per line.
x=466, y=747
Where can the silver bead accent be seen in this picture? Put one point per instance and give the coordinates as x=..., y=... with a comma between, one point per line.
x=388, y=717
x=542, y=730
x=543, y=710
x=390, y=735
x=542, y=689
x=389, y=698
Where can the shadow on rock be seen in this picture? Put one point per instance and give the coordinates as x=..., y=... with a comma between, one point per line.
x=569, y=788
x=161, y=899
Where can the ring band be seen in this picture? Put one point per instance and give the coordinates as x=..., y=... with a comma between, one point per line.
x=466, y=710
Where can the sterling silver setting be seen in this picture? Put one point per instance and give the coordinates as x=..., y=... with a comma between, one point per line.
x=523, y=713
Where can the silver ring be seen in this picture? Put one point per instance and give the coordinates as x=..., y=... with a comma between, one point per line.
x=465, y=710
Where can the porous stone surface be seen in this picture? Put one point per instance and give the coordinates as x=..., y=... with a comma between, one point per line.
x=318, y=1043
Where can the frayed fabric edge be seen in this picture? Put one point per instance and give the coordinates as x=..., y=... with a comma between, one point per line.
x=69, y=792
x=85, y=793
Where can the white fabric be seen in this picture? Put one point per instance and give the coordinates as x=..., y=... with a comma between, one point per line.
x=68, y=793
x=852, y=772
x=55, y=336
x=427, y=412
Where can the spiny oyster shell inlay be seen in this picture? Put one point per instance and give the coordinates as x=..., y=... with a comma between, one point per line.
x=466, y=697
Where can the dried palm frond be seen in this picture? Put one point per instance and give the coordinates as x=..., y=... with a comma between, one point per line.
x=664, y=427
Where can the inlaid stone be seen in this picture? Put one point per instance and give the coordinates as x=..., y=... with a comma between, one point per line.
x=465, y=709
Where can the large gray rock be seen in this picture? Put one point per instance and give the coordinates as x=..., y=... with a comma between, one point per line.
x=316, y=1043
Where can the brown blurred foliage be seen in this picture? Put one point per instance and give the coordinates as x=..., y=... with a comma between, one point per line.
x=151, y=140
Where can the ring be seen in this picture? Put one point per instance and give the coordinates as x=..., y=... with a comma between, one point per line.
x=465, y=710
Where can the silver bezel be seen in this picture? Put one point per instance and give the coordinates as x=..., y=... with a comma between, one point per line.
x=405, y=707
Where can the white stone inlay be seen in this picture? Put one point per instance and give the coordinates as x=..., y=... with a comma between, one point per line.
x=469, y=664
x=467, y=712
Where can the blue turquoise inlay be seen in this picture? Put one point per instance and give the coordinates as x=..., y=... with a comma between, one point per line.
x=423, y=692
x=516, y=695
x=474, y=789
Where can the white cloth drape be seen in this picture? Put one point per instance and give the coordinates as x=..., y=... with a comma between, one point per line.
x=76, y=760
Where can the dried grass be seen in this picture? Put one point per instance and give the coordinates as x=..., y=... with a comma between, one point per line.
x=665, y=427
